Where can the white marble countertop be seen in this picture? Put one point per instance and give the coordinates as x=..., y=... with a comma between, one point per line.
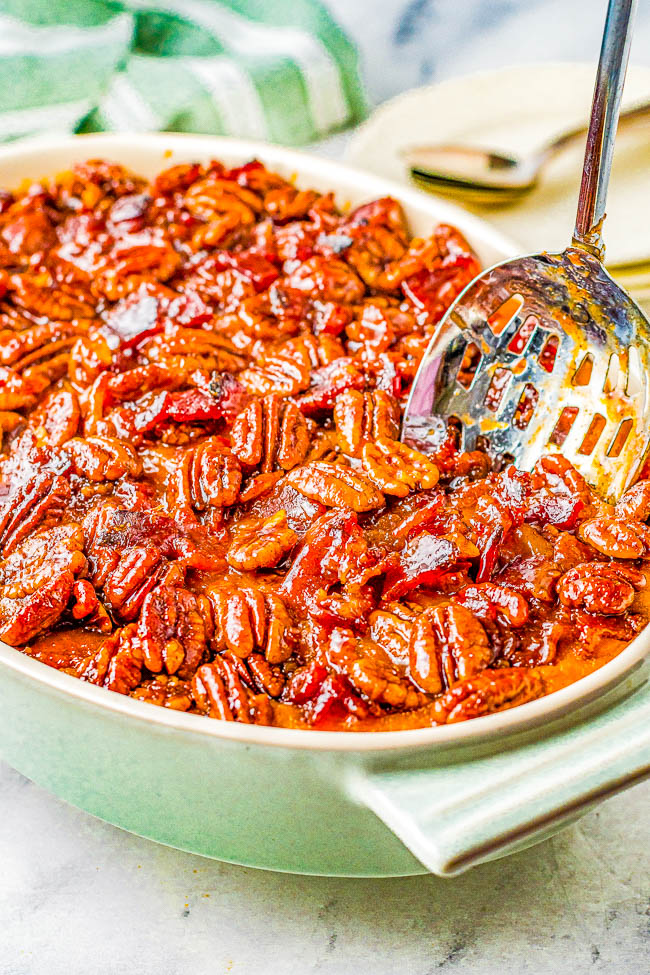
x=79, y=897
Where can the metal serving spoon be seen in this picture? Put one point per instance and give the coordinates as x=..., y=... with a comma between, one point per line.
x=490, y=177
x=547, y=351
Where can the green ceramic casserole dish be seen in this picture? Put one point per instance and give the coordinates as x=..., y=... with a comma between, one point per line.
x=369, y=804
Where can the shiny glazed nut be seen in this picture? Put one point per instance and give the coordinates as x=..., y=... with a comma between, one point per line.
x=634, y=504
x=383, y=684
x=447, y=643
x=36, y=582
x=490, y=599
x=293, y=442
x=336, y=486
x=210, y=694
x=244, y=619
x=425, y=663
x=272, y=433
x=360, y=417
x=397, y=469
x=117, y=664
x=247, y=433
x=31, y=504
x=171, y=631
x=88, y=608
x=490, y=691
x=618, y=538
x=262, y=543
x=165, y=692
x=391, y=629
x=605, y=588
x=215, y=476
x=103, y=458
x=58, y=417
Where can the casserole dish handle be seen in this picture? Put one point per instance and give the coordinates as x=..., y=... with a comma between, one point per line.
x=456, y=815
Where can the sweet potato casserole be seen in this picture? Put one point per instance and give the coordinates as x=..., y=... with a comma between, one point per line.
x=204, y=501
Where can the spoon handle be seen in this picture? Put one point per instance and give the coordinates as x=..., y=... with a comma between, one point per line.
x=610, y=79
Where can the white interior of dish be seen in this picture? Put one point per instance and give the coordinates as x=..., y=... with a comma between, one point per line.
x=147, y=155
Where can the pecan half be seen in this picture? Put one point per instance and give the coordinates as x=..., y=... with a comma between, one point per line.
x=391, y=629
x=447, y=643
x=383, y=683
x=210, y=694
x=492, y=690
x=166, y=692
x=171, y=632
x=117, y=664
x=88, y=608
x=618, y=538
x=31, y=504
x=244, y=619
x=261, y=543
x=492, y=600
x=36, y=582
x=270, y=432
x=335, y=486
x=103, y=458
x=601, y=587
x=58, y=417
x=361, y=417
x=215, y=476
x=286, y=372
x=208, y=476
x=397, y=469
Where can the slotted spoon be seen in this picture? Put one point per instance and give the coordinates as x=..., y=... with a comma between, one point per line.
x=546, y=352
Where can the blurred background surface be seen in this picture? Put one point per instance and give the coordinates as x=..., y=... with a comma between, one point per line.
x=404, y=43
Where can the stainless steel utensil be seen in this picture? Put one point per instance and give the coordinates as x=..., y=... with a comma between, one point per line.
x=487, y=176
x=547, y=351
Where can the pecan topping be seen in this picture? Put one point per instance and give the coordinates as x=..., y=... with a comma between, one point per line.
x=204, y=501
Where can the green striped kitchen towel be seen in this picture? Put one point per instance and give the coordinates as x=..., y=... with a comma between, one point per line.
x=280, y=70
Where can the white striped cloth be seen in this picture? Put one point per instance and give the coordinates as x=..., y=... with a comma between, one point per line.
x=280, y=70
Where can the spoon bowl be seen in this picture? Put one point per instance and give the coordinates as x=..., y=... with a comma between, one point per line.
x=544, y=352
x=487, y=176
x=547, y=351
x=480, y=175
